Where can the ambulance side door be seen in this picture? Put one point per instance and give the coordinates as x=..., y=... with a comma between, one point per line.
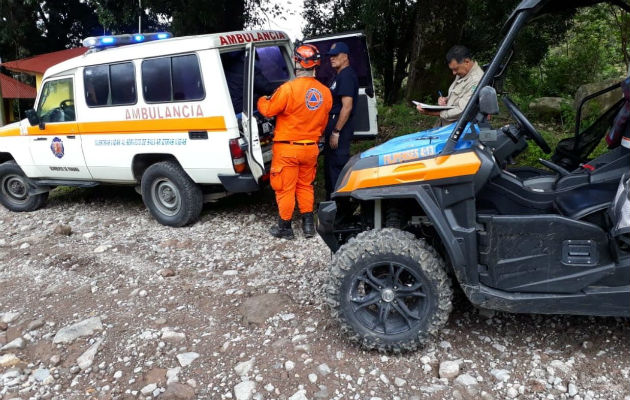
x=365, y=112
x=55, y=144
x=250, y=126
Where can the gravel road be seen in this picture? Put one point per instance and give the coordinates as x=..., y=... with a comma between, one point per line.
x=98, y=301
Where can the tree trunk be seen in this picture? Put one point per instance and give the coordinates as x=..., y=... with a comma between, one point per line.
x=439, y=26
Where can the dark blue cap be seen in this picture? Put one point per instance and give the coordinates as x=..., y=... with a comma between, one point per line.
x=338, y=48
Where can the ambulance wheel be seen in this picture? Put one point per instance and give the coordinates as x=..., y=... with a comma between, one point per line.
x=172, y=198
x=389, y=290
x=14, y=189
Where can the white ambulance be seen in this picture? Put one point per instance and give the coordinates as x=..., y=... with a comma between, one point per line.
x=174, y=117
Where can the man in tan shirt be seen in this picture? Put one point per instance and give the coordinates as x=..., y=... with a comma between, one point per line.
x=467, y=76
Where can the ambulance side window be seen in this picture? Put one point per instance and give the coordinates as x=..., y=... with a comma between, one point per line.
x=187, y=78
x=123, y=84
x=156, y=80
x=271, y=63
x=176, y=78
x=56, y=103
x=110, y=85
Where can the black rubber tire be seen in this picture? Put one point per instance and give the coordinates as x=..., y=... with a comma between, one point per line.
x=417, y=261
x=185, y=199
x=14, y=187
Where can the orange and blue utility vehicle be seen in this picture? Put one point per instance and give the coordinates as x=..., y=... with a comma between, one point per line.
x=414, y=216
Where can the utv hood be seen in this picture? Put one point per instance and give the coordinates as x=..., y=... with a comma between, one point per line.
x=417, y=145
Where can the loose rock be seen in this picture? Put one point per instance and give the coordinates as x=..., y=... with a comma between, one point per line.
x=84, y=328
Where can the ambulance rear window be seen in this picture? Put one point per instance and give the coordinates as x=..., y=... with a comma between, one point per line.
x=175, y=78
x=110, y=85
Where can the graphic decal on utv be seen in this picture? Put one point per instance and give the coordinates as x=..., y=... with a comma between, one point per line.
x=57, y=147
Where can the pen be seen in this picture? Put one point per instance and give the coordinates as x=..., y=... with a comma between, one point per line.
x=440, y=93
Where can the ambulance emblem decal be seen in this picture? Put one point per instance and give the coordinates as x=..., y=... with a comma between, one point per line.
x=57, y=147
x=314, y=99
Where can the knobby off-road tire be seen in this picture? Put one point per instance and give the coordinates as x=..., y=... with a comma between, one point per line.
x=389, y=290
x=14, y=189
x=172, y=198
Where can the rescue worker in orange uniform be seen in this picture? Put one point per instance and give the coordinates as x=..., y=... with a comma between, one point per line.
x=301, y=108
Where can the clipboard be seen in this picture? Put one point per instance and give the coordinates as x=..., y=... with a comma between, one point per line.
x=431, y=107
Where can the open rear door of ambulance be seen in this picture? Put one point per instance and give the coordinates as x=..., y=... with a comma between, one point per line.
x=365, y=113
x=250, y=126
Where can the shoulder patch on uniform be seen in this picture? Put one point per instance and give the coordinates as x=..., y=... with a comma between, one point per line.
x=313, y=99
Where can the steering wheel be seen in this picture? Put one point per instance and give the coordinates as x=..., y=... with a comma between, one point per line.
x=67, y=103
x=527, y=126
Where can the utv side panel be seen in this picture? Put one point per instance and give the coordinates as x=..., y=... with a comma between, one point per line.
x=599, y=301
x=544, y=254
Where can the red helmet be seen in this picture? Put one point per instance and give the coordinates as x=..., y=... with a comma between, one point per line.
x=307, y=56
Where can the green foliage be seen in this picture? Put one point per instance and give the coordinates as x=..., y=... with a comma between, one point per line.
x=30, y=27
x=400, y=119
x=120, y=16
x=585, y=48
x=388, y=24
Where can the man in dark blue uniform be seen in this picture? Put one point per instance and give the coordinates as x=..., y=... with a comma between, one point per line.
x=340, y=129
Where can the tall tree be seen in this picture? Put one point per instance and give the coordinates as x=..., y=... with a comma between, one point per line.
x=193, y=17
x=388, y=25
x=121, y=16
x=434, y=35
x=32, y=27
x=18, y=30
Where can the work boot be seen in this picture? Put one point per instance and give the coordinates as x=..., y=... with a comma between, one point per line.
x=308, y=225
x=283, y=230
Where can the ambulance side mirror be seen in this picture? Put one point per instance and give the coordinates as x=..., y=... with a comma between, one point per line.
x=32, y=117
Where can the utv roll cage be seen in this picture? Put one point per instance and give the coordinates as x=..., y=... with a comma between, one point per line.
x=524, y=12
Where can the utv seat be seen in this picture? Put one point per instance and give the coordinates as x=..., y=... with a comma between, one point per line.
x=586, y=200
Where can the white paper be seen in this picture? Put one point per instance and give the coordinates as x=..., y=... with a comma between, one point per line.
x=432, y=107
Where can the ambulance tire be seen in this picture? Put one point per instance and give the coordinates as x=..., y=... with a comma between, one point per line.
x=14, y=189
x=170, y=195
x=389, y=290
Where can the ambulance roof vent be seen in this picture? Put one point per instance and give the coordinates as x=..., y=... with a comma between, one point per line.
x=103, y=42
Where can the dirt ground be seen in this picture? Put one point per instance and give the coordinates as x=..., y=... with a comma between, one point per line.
x=221, y=310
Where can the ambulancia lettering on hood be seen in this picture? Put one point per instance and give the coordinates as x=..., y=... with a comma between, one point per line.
x=417, y=145
x=164, y=112
x=240, y=38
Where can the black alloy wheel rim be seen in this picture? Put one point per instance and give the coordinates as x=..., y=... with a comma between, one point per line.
x=389, y=298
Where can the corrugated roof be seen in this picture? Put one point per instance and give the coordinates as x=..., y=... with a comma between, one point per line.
x=13, y=89
x=39, y=64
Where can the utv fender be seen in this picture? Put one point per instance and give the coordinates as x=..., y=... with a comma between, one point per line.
x=425, y=199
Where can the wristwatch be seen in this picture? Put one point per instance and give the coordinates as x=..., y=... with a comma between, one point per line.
x=336, y=131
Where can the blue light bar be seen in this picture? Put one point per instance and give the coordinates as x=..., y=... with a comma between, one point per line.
x=101, y=42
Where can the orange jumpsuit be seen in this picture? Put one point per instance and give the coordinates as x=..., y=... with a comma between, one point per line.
x=301, y=107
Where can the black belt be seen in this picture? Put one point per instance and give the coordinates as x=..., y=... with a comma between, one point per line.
x=296, y=143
